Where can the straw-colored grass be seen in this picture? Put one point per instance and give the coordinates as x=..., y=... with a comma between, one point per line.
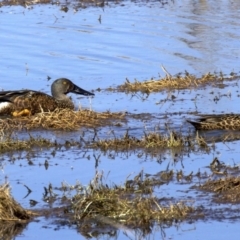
x=13, y=217
x=150, y=140
x=64, y=5
x=10, y=210
x=24, y=3
x=226, y=189
x=222, y=185
x=226, y=182
x=129, y=204
x=180, y=81
x=12, y=144
x=63, y=119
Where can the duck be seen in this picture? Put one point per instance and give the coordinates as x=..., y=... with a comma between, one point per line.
x=29, y=102
x=217, y=122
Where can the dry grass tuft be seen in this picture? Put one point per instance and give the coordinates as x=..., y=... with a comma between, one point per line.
x=180, y=81
x=13, y=217
x=64, y=119
x=129, y=204
x=10, y=210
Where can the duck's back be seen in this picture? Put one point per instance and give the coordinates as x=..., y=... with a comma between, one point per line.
x=33, y=101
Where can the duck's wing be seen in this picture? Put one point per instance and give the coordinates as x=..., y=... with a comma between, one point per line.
x=208, y=118
x=27, y=99
x=219, y=121
x=10, y=96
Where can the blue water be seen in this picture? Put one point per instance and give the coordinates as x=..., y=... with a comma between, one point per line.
x=132, y=41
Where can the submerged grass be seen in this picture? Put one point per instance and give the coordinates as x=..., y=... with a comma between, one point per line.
x=10, y=144
x=131, y=204
x=180, y=81
x=23, y=2
x=63, y=119
x=151, y=140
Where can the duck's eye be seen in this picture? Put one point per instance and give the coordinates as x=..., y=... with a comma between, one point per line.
x=64, y=82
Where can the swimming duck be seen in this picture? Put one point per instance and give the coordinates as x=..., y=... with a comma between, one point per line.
x=215, y=122
x=27, y=102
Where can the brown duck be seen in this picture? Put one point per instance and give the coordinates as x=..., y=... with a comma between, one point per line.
x=27, y=102
x=215, y=122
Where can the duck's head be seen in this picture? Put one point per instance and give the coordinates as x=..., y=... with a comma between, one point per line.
x=63, y=86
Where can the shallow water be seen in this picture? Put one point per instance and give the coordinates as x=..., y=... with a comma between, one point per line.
x=132, y=41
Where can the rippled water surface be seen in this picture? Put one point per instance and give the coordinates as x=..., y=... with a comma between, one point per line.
x=132, y=40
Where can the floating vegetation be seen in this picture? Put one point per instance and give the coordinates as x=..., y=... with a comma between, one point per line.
x=151, y=140
x=130, y=205
x=10, y=210
x=180, y=81
x=63, y=119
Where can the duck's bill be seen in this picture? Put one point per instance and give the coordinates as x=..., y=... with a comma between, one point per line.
x=81, y=91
